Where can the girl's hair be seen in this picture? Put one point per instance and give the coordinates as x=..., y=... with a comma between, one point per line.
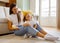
x=26, y=13
x=24, y=19
x=11, y=12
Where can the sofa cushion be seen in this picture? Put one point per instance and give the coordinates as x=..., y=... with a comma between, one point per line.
x=2, y=13
x=6, y=10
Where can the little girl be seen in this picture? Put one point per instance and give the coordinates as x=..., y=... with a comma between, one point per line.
x=29, y=19
x=34, y=24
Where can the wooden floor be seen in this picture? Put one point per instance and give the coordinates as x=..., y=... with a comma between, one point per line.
x=19, y=39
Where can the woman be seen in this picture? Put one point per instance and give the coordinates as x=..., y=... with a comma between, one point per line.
x=20, y=28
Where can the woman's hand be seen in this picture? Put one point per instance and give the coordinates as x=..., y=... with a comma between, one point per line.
x=15, y=27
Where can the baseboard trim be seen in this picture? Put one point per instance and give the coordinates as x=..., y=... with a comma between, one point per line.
x=6, y=33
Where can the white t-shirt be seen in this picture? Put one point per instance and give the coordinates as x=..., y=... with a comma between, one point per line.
x=14, y=20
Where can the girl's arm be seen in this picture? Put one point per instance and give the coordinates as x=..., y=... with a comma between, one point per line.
x=26, y=24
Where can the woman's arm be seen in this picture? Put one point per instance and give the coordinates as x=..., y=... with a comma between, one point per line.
x=10, y=26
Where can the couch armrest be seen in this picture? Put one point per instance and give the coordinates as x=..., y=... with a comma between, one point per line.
x=4, y=26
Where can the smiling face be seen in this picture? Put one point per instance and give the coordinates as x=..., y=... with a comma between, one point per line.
x=28, y=17
x=14, y=10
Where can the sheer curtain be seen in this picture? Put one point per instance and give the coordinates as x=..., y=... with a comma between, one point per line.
x=53, y=7
x=44, y=8
x=37, y=7
x=47, y=10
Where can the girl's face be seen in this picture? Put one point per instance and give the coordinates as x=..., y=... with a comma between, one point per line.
x=28, y=17
x=14, y=9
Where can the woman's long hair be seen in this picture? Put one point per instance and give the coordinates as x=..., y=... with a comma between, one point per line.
x=11, y=12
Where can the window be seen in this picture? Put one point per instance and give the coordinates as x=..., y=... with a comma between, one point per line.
x=44, y=8
x=53, y=7
x=48, y=8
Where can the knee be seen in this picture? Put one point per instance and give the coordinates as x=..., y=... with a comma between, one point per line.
x=28, y=27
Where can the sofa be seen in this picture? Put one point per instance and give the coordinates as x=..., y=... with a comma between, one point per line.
x=4, y=12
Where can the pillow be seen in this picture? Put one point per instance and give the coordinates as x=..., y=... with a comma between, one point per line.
x=2, y=13
x=6, y=10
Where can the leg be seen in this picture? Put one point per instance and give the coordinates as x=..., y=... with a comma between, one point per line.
x=20, y=32
x=34, y=32
x=47, y=36
x=41, y=30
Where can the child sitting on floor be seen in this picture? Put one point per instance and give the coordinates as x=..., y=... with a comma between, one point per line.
x=33, y=24
x=29, y=20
